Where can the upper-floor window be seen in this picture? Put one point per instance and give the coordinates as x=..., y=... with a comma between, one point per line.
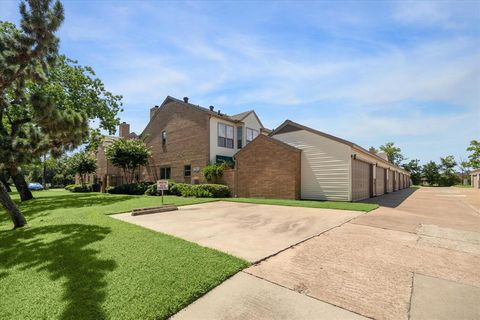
x=225, y=135
x=239, y=137
x=164, y=137
x=251, y=134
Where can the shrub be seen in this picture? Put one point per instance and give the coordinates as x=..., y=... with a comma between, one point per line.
x=79, y=188
x=213, y=172
x=206, y=191
x=173, y=189
x=131, y=188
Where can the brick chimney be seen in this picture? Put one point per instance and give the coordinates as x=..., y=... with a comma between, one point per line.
x=152, y=111
x=124, y=130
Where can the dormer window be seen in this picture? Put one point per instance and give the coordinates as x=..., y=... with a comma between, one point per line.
x=251, y=134
x=225, y=136
x=164, y=138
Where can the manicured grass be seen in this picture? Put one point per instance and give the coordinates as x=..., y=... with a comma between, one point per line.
x=463, y=186
x=75, y=262
x=355, y=206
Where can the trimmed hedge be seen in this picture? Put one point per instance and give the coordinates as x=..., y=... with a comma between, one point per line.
x=131, y=188
x=192, y=190
x=79, y=188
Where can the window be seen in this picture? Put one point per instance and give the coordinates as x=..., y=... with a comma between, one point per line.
x=165, y=173
x=251, y=134
x=239, y=137
x=225, y=136
x=187, y=171
x=164, y=137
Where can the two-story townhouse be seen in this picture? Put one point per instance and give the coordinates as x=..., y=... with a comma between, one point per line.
x=185, y=137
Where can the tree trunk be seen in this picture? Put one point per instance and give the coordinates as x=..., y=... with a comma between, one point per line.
x=12, y=209
x=21, y=184
x=3, y=179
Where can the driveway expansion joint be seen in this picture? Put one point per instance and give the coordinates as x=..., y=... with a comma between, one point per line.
x=306, y=294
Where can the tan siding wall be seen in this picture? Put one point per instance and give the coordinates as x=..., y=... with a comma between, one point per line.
x=267, y=169
x=325, y=165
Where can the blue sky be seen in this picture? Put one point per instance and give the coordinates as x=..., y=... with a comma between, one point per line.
x=369, y=72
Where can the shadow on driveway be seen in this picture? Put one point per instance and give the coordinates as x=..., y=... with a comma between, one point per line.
x=392, y=199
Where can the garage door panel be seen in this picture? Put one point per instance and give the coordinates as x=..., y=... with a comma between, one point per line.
x=380, y=181
x=361, y=180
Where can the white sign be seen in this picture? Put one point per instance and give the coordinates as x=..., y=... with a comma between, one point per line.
x=162, y=185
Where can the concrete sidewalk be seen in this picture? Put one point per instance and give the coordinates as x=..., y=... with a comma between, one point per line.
x=417, y=257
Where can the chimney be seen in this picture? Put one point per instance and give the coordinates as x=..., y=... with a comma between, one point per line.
x=152, y=111
x=211, y=108
x=124, y=130
x=185, y=99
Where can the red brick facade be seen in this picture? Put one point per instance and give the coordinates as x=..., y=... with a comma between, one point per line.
x=268, y=168
x=186, y=143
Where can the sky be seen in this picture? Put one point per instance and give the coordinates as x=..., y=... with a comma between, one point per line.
x=369, y=72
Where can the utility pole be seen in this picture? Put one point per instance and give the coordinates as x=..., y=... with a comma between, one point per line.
x=44, y=178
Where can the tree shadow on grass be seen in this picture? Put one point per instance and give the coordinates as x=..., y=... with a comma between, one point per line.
x=63, y=251
x=41, y=206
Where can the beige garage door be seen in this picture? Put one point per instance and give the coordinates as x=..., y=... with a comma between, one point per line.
x=390, y=181
x=380, y=183
x=361, y=180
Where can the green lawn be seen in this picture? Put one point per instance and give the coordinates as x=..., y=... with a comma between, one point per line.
x=355, y=206
x=73, y=261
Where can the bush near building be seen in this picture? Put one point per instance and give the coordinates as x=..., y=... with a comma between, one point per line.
x=192, y=190
x=79, y=187
x=137, y=188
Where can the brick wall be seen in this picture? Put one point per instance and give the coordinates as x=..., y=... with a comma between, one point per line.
x=228, y=179
x=187, y=142
x=268, y=168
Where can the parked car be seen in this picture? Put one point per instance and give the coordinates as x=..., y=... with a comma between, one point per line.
x=35, y=186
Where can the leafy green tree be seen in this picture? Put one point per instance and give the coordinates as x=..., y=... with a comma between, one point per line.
x=474, y=157
x=373, y=150
x=128, y=154
x=431, y=173
x=394, y=154
x=464, y=167
x=25, y=56
x=82, y=164
x=47, y=108
x=448, y=176
x=415, y=170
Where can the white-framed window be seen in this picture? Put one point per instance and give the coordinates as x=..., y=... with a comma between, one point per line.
x=251, y=134
x=225, y=136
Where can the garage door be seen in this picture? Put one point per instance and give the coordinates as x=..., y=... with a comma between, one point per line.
x=380, y=183
x=390, y=181
x=361, y=180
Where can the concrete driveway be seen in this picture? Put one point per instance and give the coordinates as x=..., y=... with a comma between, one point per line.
x=416, y=257
x=250, y=231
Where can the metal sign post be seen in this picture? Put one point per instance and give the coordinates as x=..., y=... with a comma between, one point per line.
x=162, y=185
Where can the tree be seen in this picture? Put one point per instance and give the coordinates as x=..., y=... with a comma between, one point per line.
x=415, y=170
x=464, y=167
x=448, y=177
x=128, y=154
x=474, y=157
x=373, y=150
x=25, y=56
x=394, y=154
x=82, y=163
x=430, y=171
x=71, y=95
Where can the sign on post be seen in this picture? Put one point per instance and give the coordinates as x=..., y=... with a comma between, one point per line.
x=162, y=185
